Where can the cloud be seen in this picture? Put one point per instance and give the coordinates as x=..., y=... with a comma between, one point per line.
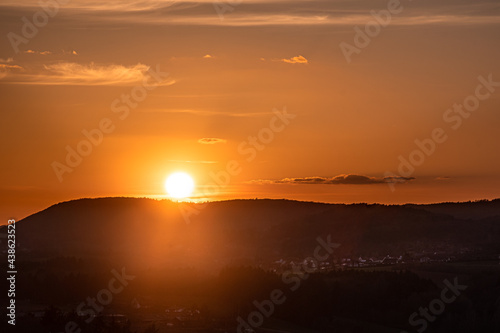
x=210, y=113
x=5, y=66
x=211, y=141
x=443, y=178
x=6, y=69
x=38, y=52
x=93, y=74
x=8, y=60
x=296, y=60
x=350, y=179
x=94, y=5
x=207, y=56
x=264, y=12
x=246, y=20
x=63, y=52
x=67, y=73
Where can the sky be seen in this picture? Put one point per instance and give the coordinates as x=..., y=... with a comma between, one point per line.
x=332, y=101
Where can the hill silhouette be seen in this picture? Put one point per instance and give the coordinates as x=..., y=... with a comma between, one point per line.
x=254, y=232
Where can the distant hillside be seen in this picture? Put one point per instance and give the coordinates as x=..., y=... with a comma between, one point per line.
x=152, y=232
x=465, y=210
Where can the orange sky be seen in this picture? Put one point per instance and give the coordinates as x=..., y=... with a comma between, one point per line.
x=231, y=69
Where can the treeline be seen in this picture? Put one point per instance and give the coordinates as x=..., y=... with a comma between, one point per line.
x=337, y=301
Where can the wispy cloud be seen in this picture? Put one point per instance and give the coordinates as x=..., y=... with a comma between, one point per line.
x=93, y=5
x=67, y=73
x=265, y=13
x=349, y=20
x=7, y=66
x=38, y=52
x=62, y=52
x=211, y=141
x=349, y=179
x=7, y=69
x=296, y=60
x=209, y=112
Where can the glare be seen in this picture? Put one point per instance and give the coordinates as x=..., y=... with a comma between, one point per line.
x=179, y=185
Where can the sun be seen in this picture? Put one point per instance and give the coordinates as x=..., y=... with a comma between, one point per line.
x=179, y=185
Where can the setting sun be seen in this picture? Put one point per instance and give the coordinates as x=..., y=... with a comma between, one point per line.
x=179, y=185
